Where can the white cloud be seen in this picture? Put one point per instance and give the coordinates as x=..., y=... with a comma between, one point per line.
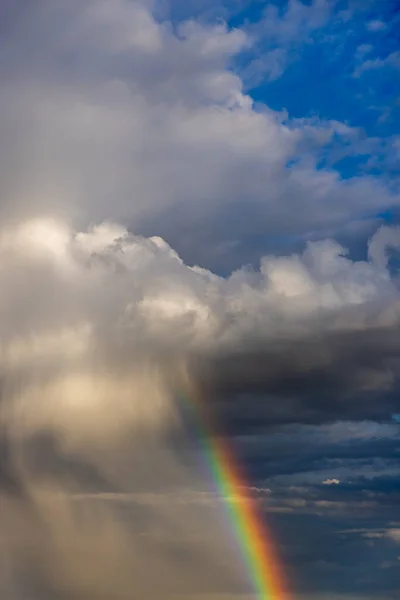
x=362, y=50
x=390, y=533
x=392, y=61
x=110, y=114
x=376, y=25
x=267, y=67
x=394, y=534
x=384, y=239
x=297, y=21
x=73, y=301
x=331, y=482
x=149, y=290
x=279, y=34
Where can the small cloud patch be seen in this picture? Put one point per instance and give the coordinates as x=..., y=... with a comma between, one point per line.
x=376, y=25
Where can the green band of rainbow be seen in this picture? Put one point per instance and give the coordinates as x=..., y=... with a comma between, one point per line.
x=244, y=515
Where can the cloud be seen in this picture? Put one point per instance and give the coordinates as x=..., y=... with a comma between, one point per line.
x=113, y=115
x=298, y=21
x=363, y=49
x=376, y=25
x=383, y=240
x=101, y=328
x=391, y=60
x=390, y=534
x=268, y=67
x=331, y=482
x=279, y=34
x=81, y=296
x=394, y=534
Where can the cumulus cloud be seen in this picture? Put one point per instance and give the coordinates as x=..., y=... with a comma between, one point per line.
x=82, y=310
x=87, y=409
x=145, y=291
x=101, y=329
x=75, y=300
x=111, y=114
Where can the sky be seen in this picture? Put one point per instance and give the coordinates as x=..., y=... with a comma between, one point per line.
x=198, y=199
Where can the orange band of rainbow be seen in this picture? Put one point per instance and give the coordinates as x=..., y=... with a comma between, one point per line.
x=244, y=514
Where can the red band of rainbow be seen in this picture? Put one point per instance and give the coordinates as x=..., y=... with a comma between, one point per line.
x=250, y=531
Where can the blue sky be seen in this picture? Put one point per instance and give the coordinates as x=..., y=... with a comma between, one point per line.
x=335, y=58
x=341, y=70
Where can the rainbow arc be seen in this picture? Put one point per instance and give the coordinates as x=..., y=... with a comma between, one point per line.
x=250, y=531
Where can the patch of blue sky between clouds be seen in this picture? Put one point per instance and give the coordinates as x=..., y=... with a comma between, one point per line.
x=328, y=60
x=332, y=60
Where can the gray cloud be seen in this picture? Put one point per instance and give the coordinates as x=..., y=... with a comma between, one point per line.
x=101, y=329
x=113, y=115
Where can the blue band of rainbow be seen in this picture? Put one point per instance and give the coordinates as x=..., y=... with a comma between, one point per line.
x=252, y=536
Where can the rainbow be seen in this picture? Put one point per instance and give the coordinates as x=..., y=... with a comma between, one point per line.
x=249, y=529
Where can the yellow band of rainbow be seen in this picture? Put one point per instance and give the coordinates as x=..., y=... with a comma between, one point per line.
x=252, y=536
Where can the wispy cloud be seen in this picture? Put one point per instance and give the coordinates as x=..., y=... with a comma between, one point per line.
x=392, y=61
x=376, y=25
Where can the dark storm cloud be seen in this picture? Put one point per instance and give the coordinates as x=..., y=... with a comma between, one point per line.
x=349, y=375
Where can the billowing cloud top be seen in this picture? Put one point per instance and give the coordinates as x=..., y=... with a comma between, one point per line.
x=110, y=114
x=138, y=291
x=104, y=296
